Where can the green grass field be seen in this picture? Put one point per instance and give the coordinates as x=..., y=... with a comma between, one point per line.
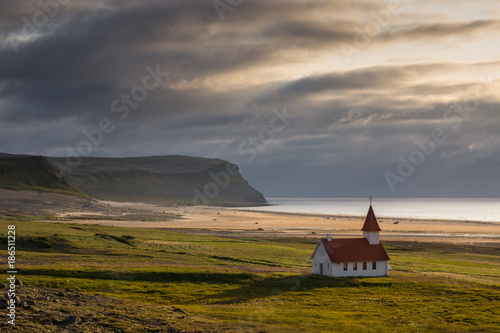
x=255, y=284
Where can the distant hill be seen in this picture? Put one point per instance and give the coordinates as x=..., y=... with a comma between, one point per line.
x=163, y=179
x=25, y=172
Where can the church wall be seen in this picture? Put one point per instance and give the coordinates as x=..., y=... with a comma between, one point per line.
x=321, y=257
x=381, y=270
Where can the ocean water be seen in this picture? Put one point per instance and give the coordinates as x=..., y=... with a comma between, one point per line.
x=467, y=209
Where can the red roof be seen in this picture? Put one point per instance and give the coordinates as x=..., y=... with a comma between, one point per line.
x=371, y=223
x=353, y=249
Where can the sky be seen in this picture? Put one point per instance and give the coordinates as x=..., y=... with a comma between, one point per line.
x=321, y=98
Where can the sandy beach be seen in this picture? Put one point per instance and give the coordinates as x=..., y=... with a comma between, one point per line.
x=231, y=222
x=241, y=223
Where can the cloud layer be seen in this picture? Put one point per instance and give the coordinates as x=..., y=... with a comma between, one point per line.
x=364, y=84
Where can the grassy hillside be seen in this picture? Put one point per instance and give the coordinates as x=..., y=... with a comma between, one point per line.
x=161, y=179
x=253, y=285
x=22, y=172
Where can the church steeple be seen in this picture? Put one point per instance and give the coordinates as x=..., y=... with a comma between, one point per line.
x=371, y=223
x=370, y=228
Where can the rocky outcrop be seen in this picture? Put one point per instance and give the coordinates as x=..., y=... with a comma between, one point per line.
x=42, y=309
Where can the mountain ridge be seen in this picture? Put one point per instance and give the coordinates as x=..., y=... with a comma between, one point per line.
x=170, y=179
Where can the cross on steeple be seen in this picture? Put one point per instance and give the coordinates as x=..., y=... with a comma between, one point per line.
x=371, y=200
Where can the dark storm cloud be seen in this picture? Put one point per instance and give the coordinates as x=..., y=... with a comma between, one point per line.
x=379, y=77
x=79, y=69
x=308, y=33
x=358, y=82
x=438, y=30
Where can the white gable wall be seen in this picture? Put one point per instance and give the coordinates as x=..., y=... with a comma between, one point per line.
x=319, y=258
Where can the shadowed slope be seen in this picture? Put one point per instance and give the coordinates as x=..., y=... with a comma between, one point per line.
x=163, y=179
x=24, y=172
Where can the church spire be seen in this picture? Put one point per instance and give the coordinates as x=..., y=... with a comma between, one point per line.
x=371, y=223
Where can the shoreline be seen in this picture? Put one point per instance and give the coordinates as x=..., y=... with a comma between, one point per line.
x=230, y=222
x=235, y=222
x=357, y=216
x=138, y=205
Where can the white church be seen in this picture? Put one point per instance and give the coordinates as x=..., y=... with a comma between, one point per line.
x=343, y=257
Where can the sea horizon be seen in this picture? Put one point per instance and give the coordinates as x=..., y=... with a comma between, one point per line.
x=485, y=209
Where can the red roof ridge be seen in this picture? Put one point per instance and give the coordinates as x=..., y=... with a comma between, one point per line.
x=353, y=249
x=371, y=223
x=344, y=239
